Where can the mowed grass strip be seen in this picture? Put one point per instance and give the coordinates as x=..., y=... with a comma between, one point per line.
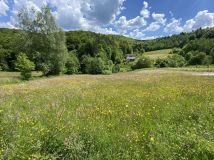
x=146, y=114
x=158, y=54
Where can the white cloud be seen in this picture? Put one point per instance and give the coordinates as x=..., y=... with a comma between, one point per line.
x=77, y=14
x=6, y=25
x=174, y=26
x=150, y=37
x=137, y=34
x=154, y=26
x=159, y=21
x=203, y=19
x=123, y=24
x=102, y=11
x=3, y=7
x=145, y=13
x=159, y=18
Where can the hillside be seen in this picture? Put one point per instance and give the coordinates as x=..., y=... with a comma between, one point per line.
x=111, y=49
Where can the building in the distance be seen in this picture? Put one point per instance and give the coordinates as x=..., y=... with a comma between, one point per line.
x=131, y=57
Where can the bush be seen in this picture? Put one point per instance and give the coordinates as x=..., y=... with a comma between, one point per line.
x=25, y=66
x=96, y=66
x=207, y=60
x=91, y=65
x=161, y=63
x=107, y=72
x=72, y=65
x=197, y=58
x=212, y=55
x=142, y=62
x=109, y=66
x=85, y=63
x=176, y=60
x=116, y=68
x=4, y=56
x=178, y=51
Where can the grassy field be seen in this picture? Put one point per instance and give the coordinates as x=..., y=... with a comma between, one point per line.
x=147, y=114
x=158, y=54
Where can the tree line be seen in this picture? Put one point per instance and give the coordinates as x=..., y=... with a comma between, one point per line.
x=41, y=45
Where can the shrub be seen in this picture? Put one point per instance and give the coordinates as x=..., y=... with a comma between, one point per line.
x=176, y=60
x=207, y=60
x=4, y=54
x=161, y=63
x=178, y=51
x=212, y=54
x=91, y=65
x=116, y=68
x=142, y=62
x=107, y=72
x=72, y=65
x=197, y=58
x=25, y=66
x=96, y=66
x=109, y=66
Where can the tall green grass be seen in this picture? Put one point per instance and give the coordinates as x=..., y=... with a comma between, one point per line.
x=151, y=114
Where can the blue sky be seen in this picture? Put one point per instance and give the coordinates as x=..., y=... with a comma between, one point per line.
x=138, y=19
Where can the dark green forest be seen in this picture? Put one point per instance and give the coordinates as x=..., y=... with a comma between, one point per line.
x=97, y=53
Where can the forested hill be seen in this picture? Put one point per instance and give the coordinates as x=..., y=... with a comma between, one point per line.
x=76, y=38
x=110, y=48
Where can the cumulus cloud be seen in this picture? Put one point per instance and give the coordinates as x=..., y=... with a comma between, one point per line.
x=103, y=11
x=103, y=16
x=137, y=34
x=138, y=22
x=159, y=21
x=174, y=26
x=159, y=18
x=3, y=7
x=203, y=19
x=77, y=14
x=123, y=24
x=6, y=25
x=154, y=26
x=145, y=13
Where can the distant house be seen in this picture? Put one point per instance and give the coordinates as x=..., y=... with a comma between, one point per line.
x=131, y=57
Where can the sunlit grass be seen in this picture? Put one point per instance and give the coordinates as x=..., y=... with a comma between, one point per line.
x=158, y=53
x=145, y=114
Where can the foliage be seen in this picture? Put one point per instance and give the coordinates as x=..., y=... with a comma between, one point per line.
x=116, y=69
x=43, y=40
x=72, y=65
x=96, y=66
x=38, y=45
x=4, y=59
x=161, y=63
x=196, y=57
x=176, y=60
x=212, y=54
x=25, y=66
x=142, y=62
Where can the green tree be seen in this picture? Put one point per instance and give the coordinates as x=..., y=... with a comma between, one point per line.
x=72, y=65
x=96, y=66
x=43, y=39
x=25, y=66
x=142, y=62
x=176, y=60
x=197, y=58
x=161, y=63
x=212, y=55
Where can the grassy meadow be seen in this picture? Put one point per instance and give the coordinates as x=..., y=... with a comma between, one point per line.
x=146, y=114
x=158, y=54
